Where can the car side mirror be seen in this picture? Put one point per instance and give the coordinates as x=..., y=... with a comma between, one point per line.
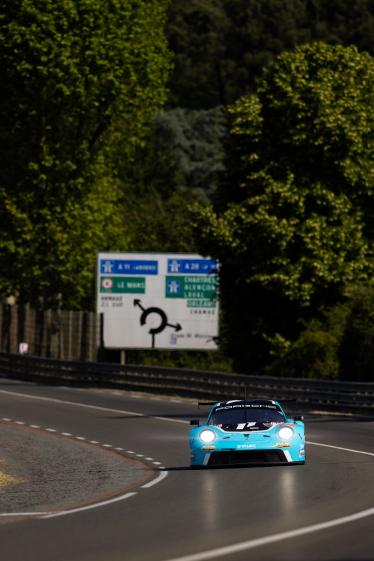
x=194, y=422
x=299, y=418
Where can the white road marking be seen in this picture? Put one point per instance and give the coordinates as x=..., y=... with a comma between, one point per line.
x=35, y=426
x=155, y=481
x=120, y=449
x=89, y=507
x=129, y=452
x=74, y=403
x=340, y=448
x=250, y=544
x=272, y=538
x=88, y=406
x=22, y=513
x=6, y=419
x=171, y=420
x=149, y=459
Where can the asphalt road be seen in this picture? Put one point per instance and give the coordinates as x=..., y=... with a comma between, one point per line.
x=317, y=512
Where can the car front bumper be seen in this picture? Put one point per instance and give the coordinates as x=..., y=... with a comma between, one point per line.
x=253, y=454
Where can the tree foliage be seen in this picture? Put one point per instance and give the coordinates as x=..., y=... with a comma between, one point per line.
x=339, y=345
x=314, y=354
x=79, y=81
x=356, y=349
x=222, y=46
x=291, y=226
x=179, y=164
x=194, y=140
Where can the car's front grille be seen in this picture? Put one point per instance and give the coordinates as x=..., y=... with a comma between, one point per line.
x=247, y=457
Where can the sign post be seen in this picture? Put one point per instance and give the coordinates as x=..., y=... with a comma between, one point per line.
x=158, y=301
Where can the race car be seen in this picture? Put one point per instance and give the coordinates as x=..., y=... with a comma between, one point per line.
x=243, y=432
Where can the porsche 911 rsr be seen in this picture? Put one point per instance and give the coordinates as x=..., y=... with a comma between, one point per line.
x=247, y=432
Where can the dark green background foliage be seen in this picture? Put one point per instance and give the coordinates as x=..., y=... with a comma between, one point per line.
x=179, y=164
x=356, y=350
x=195, y=140
x=222, y=46
x=341, y=345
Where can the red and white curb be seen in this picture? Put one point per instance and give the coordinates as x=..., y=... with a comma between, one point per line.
x=151, y=462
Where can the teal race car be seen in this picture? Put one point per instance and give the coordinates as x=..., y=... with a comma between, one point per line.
x=244, y=432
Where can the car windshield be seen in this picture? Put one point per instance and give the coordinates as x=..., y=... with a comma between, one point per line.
x=236, y=416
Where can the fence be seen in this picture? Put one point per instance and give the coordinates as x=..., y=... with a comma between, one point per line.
x=308, y=395
x=58, y=334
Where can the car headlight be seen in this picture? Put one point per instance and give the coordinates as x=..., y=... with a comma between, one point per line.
x=207, y=435
x=285, y=433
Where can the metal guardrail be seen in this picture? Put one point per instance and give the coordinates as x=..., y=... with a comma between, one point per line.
x=307, y=394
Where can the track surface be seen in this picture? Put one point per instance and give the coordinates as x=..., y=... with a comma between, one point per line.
x=196, y=514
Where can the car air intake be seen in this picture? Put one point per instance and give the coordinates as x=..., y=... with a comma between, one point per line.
x=247, y=457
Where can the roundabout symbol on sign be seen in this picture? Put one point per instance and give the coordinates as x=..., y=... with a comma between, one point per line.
x=163, y=324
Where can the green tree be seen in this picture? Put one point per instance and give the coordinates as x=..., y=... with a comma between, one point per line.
x=222, y=46
x=313, y=355
x=196, y=31
x=79, y=83
x=292, y=225
x=341, y=345
x=194, y=139
x=180, y=163
x=356, y=349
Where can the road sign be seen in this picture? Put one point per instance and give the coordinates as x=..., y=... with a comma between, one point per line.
x=160, y=301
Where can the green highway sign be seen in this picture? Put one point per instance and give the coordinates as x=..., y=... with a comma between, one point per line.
x=203, y=303
x=122, y=285
x=199, y=288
